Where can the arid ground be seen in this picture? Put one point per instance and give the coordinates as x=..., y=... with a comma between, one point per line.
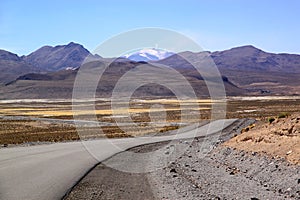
x=259, y=161
x=31, y=121
x=231, y=170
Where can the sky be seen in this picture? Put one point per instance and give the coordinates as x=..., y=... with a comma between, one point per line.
x=271, y=25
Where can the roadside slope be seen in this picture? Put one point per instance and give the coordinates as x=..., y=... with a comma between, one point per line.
x=224, y=173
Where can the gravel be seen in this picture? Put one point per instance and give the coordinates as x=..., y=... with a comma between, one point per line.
x=212, y=171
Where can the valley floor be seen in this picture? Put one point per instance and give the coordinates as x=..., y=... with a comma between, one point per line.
x=36, y=121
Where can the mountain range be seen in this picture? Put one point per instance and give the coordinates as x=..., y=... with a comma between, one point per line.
x=49, y=72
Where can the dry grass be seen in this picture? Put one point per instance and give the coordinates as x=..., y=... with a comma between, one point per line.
x=23, y=131
x=57, y=113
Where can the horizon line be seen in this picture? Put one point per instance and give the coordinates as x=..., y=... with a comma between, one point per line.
x=204, y=50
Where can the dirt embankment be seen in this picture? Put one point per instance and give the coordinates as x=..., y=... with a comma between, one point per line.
x=278, y=137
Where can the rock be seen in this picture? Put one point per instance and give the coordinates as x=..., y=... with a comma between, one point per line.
x=298, y=181
x=289, y=152
x=271, y=163
x=173, y=170
x=290, y=130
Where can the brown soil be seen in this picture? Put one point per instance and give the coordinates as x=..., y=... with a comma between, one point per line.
x=279, y=138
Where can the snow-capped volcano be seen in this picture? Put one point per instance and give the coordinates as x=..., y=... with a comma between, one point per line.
x=151, y=54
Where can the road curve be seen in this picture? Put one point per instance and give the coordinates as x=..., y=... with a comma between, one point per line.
x=49, y=171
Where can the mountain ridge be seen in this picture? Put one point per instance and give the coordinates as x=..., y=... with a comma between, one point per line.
x=12, y=66
x=245, y=70
x=58, y=57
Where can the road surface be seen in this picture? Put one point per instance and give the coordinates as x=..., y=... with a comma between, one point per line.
x=49, y=171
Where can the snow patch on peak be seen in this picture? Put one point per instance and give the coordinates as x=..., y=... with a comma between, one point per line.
x=148, y=54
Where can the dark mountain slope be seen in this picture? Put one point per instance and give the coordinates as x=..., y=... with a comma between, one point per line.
x=57, y=58
x=249, y=58
x=245, y=58
x=12, y=66
x=249, y=68
x=245, y=71
x=60, y=84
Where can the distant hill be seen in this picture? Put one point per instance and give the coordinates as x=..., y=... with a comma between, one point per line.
x=46, y=59
x=250, y=68
x=249, y=58
x=245, y=58
x=50, y=72
x=60, y=84
x=56, y=58
x=12, y=66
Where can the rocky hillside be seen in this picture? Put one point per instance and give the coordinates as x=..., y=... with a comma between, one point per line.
x=56, y=58
x=250, y=68
x=278, y=137
x=245, y=71
x=12, y=66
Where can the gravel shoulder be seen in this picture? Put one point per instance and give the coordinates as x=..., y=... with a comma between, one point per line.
x=214, y=172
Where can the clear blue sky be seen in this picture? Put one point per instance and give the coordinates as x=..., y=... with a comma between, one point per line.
x=271, y=25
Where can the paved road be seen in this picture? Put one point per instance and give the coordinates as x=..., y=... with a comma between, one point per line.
x=49, y=171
